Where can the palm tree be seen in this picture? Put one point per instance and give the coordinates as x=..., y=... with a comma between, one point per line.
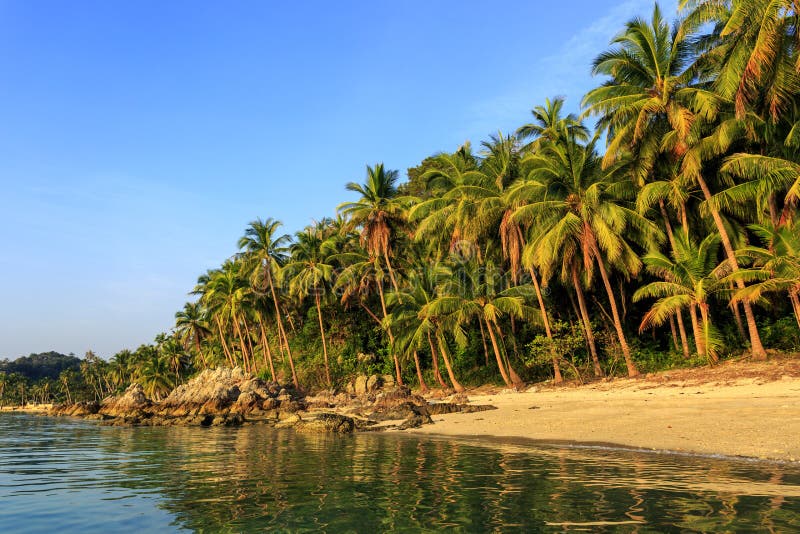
x=309, y=272
x=480, y=294
x=267, y=252
x=154, y=374
x=191, y=326
x=776, y=266
x=584, y=213
x=689, y=279
x=646, y=96
x=379, y=216
x=376, y=213
x=550, y=126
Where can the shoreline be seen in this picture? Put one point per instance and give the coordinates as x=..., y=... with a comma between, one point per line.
x=736, y=418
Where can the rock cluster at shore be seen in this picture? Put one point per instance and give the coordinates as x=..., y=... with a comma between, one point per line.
x=229, y=397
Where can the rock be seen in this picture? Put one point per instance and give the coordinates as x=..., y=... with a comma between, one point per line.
x=132, y=402
x=415, y=421
x=360, y=385
x=290, y=421
x=459, y=398
x=374, y=383
x=350, y=388
x=388, y=381
x=328, y=423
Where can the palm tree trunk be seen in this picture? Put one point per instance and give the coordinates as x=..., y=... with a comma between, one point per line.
x=251, y=351
x=458, y=387
x=324, y=343
x=587, y=325
x=423, y=387
x=512, y=374
x=737, y=317
x=556, y=369
x=706, y=329
x=674, y=331
x=757, y=348
x=266, y=347
x=222, y=340
x=485, y=346
x=698, y=335
x=671, y=236
x=682, y=332
x=435, y=360
x=241, y=343
x=500, y=364
x=282, y=332
x=795, y=300
x=397, y=370
x=200, y=350
x=626, y=351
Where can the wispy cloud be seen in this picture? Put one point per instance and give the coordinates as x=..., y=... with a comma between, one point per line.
x=566, y=72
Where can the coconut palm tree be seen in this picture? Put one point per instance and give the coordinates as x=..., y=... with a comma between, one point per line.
x=775, y=266
x=474, y=293
x=377, y=213
x=192, y=327
x=584, y=214
x=309, y=272
x=689, y=279
x=267, y=252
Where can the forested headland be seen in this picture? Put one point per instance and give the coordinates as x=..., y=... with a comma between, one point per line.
x=656, y=229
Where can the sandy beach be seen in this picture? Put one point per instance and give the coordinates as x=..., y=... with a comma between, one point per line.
x=751, y=410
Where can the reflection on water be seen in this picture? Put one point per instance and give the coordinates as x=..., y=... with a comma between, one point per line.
x=76, y=476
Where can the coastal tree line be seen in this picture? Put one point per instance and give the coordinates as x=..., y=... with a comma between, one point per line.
x=657, y=228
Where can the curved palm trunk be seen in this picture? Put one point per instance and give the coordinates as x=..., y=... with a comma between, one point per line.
x=587, y=325
x=485, y=346
x=250, y=350
x=324, y=343
x=282, y=332
x=423, y=387
x=397, y=370
x=626, y=351
x=222, y=340
x=435, y=360
x=458, y=387
x=500, y=364
x=517, y=382
x=556, y=369
x=757, y=349
x=265, y=345
x=242, y=343
x=698, y=335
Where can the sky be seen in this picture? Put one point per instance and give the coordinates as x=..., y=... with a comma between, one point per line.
x=138, y=139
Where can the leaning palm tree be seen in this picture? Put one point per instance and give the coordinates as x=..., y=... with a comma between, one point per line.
x=479, y=293
x=585, y=213
x=266, y=252
x=308, y=272
x=688, y=280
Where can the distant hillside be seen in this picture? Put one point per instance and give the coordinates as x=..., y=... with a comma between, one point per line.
x=38, y=366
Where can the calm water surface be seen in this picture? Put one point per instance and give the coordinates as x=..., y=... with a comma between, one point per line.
x=74, y=476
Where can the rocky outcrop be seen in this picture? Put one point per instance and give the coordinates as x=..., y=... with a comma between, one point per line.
x=132, y=402
x=229, y=397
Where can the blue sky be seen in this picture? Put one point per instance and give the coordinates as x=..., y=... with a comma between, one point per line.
x=138, y=139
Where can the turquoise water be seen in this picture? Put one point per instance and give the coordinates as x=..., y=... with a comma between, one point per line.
x=74, y=476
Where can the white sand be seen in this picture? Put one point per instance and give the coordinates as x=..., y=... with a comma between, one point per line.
x=744, y=418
